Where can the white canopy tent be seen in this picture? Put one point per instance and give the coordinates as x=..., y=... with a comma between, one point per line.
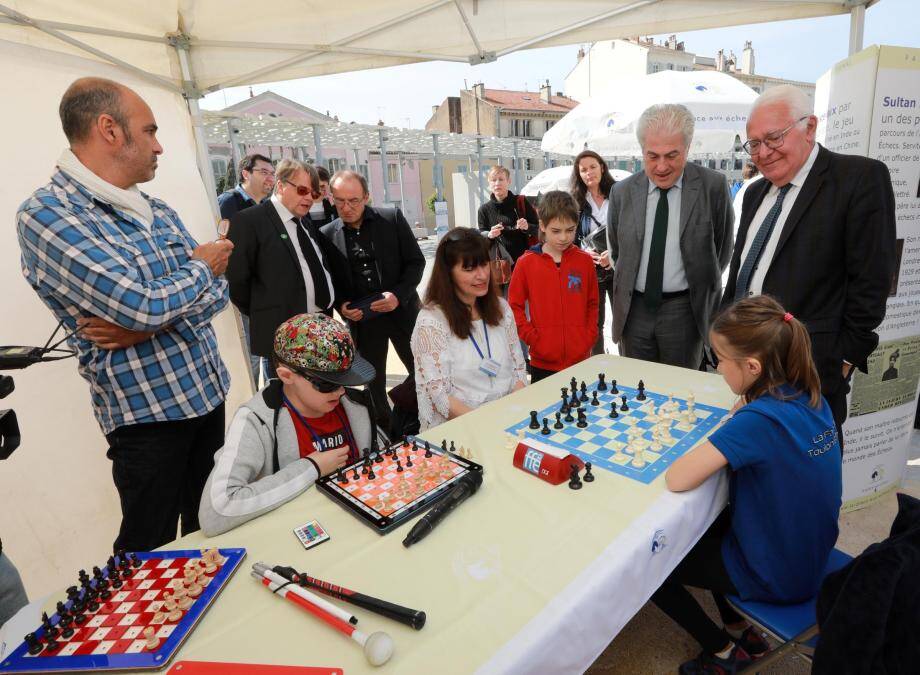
x=173, y=52
x=559, y=178
x=607, y=123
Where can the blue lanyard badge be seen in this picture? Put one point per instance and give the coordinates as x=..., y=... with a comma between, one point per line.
x=489, y=366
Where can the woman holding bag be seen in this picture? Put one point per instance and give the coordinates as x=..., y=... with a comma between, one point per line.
x=465, y=341
x=591, y=183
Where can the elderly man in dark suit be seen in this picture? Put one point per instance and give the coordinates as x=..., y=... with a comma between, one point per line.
x=669, y=232
x=281, y=265
x=818, y=234
x=383, y=267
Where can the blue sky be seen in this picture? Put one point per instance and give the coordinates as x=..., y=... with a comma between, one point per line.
x=403, y=95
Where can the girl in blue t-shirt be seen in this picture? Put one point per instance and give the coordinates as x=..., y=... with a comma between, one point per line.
x=772, y=541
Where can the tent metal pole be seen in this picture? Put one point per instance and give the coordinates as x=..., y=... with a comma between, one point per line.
x=437, y=171
x=384, y=167
x=482, y=196
x=857, y=24
x=402, y=193
x=517, y=168
x=318, y=146
x=42, y=26
x=327, y=49
x=93, y=30
x=191, y=92
x=234, y=152
x=575, y=26
x=469, y=27
x=305, y=56
x=354, y=159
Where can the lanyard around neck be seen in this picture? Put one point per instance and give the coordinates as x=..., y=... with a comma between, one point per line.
x=485, y=329
x=317, y=443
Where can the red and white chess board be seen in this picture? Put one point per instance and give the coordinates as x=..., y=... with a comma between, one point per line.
x=154, y=595
x=393, y=496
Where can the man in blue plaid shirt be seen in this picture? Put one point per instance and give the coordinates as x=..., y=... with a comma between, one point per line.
x=119, y=267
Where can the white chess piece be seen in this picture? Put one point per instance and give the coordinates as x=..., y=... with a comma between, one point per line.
x=150, y=635
x=638, y=460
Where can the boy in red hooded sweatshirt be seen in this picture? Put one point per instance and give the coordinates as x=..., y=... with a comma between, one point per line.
x=558, y=282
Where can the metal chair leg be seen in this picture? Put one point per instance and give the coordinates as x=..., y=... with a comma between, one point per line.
x=796, y=646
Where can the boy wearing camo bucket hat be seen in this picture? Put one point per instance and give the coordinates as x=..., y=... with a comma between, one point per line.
x=302, y=425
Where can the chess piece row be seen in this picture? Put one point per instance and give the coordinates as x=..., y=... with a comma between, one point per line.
x=575, y=481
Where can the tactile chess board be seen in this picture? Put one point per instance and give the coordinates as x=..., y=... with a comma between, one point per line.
x=112, y=637
x=605, y=442
x=393, y=496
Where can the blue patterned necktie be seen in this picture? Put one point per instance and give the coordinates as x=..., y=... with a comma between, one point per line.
x=743, y=282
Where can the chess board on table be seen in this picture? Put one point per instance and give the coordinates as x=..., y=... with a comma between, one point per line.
x=112, y=637
x=606, y=442
x=392, y=496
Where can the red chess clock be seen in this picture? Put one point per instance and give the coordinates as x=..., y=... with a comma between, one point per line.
x=544, y=461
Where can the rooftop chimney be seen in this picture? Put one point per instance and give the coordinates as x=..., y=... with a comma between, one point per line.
x=479, y=90
x=434, y=109
x=720, y=61
x=581, y=54
x=546, y=92
x=747, y=59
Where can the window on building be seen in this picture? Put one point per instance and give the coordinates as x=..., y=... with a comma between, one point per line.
x=739, y=164
x=392, y=172
x=528, y=165
x=723, y=164
x=711, y=164
x=520, y=128
x=336, y=164
x=549, y=124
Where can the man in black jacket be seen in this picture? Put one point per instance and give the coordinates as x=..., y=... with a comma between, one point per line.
x=818, y=234
x=281, y=265
x=384, y=265
x=257, y=176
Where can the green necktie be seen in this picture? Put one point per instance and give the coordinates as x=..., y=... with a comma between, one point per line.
x=654, y=274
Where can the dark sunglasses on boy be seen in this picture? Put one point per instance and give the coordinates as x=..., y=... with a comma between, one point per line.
x=321, y=385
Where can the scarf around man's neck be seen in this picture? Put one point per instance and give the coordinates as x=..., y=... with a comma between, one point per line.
x=130, y=200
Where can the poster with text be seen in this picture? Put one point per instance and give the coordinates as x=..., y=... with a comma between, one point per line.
x=870, y=104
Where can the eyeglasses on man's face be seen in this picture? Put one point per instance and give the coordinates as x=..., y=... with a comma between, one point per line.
x=267, y=173
x=772, y=140
x=354, y=202
x=303, y=190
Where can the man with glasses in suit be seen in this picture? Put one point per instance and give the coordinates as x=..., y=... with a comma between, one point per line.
x=818, y=234
x=285, y=266
x=257, y=177
x=384, y=265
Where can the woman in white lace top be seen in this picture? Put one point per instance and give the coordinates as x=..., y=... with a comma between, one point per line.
x=465, y=342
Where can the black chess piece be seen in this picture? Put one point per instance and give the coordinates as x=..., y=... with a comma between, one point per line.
x=34, y=644
x=574, y=385
x=568, y=415
x=79, y=617
x=73, y=593
x=122, y=559
x=613, y=410
x=364, y=466
x=534, y=424
x=601, y=384
x=378, y=457
x=565, y=391
x=427, y=450
x=584, y=392
x=355, y=475
x=409, y=459
x=594, y=400
x=582, y=419
x=343, y=479
x=641, y=395
x=588, y=477
x=370, y=473
x=65, y=621
x=50, y=630
x=399, y=466
x=126, y=573
x=91, y=603
x=135, y=561
x=83, y=576
x=545, y=430
x=453, y=448
x=613, y=387
x=444, y=445
x=565, y=404
x=558, y=424
x=624, y=407
x=574, y=480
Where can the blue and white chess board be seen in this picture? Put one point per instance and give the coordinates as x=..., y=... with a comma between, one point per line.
x=605, y=442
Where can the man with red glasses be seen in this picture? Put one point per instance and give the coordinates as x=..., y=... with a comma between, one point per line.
x=818, y=234
x=284, y=265
x=301, y=426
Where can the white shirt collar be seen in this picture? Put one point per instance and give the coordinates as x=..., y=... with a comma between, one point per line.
x=799, y=179
x=283, y=213
x=678, y=183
